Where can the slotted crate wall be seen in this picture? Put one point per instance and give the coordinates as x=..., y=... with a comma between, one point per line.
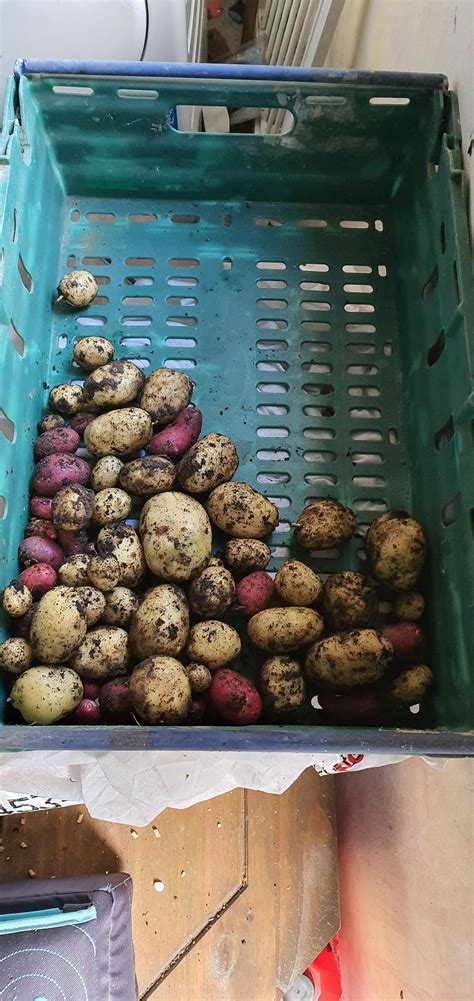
x=324, y=329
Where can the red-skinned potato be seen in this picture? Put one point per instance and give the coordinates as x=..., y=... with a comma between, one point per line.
x=59, y=441
x=86, y=713
x=80, y=421
x=38, y=550
x=114, y=699
x=177, y=437
x=42, y=507
x=254, y=593
x=40, y=527
x=74, y=542
x=57, y=471
x=351, y=708
x=39, y=578
x=406, y=639
x=234, y=699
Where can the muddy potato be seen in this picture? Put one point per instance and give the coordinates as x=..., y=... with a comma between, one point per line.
x=176, y=536
x=103, y=653
x=412, y=685
x=106, y=472
x=111, y=504
x=119, y=432
x=325, y=524
x=58, y=626
x=77, y=288
x=93, y=601
x=241, y=512
x=396, y=548
x=50, y=422
x=282, y=684
x=160, y=624
x=212, y=593
x=207, y=464
x=164, y=394
x=281, y=630
x=103, y=572
x=92, y=352
x=213, y=644
x=244, y=556
x=72, y=507
x=45, y=694
x=16, y=598
x=113, y=385
x=297, y=584
x=408, y=606
x=152, y=474
x=349, y=601
x=199, y=677
x=349, y=659
x=66, y=399
x=120, y=604
x=160, y=691
x=73, y=572
x=16, y=655
x=122, y=542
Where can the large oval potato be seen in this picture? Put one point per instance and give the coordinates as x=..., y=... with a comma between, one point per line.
x=176, y=536
x=103, y=653
x=113, y=385
x=396, y=548
x=241, y=512
x=297, y=584
x=281, y=630
x=161, y=623
x=152, y=474
x=346, y=660
x=160, y=691
x=212, y=593
x=44, y=694
x=119, y=432
x=324, y=524
x=122, y=542
x=165, y=393
x=58, y=626
x=213, y=644
x=211, y=461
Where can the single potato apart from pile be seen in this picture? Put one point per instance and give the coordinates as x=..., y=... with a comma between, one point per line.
x=297, y=584
x=396, y=548
x=213, y=644
x=159, y=691
x=58, y=626
x=92, y=352
x=166, y=392
x=113, y=385
x=349, y=659
x=244, y=556
x=119, y=432
x=77, y=288
x=281, y=630
x=152, y=474
x=176, y=536
x=241, y=512
x=103, y=653
x=349, y=601
x=45, y=694
x=325, y=524
x=160, y=624
x=282, y=684
x=16, y=655
x=207, y=464
x=212, y=593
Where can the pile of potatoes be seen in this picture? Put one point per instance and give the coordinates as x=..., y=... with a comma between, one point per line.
x=122, y=613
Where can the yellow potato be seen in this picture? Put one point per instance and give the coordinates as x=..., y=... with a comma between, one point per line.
x=281, y=630
x=213, y=644
x=282, y=684
x=324, y=524
x=103, y=653
x=396, y=548
x=119, y=432
x=160, y=691
x=16, y=599
x=200, y=678
x=349, y=601
x=106, y=472
x=211, y=461
x=349, y=659
x=16, y=655
x=241, y=512
x=122, y=542
x=113, y=385
x=111, y=504
x=72, y=507
x=58, y=625
x=161, y=623
x=296, y=584
x=73, y=572
x=44, y=694
x=121, y=602
x=246, y=555
x=165, y=393
x=92, y=352
x=103, y=572
x=212, y=593
x=66, y=399
x=149, y=475
x=93, y=601
x=176, y=536
x=408, y=606
x=412, y=685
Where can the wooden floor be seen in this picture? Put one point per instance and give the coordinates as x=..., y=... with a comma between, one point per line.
x=232, y=898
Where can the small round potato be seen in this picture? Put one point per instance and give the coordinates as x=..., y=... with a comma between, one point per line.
x=349, y=601
x=16, y=655
x=152, y=474
x=200, y=678
x=103, y=653
x=164, y=394
x=50, y=422
x=111, y=504
x=176, y=536
x=349, y=659
x=160, y=691
x=58, y=625
x=241, y=512
x=45, y=694
x=282, y=684
x=281, y=630
x=78, y=288
x=119, y=432
x=103, y=572
x=325, y=524
x=120, y=605
x=66, y=399
x=213, y=644
x=113, y=385
x=16, y=599
x=412, y=685
x=106, y=472
x=73, y=572
x=296, y=584
x=92, y=352
x=72, y=507
x=212, y=593
x=122, y=542
x=93, y=601
x=160, y=624
x=211, y=461
x=244, y=556
x=409, y=606
x=396, y=548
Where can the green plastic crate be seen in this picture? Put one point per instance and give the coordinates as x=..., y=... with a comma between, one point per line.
x=314, y=284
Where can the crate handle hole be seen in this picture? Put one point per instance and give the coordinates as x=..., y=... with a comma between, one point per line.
x=273, y=477
x=430, y=285
x=3, y=506
x=436, y=349
x=26, y=278
x=267, y=410
x=389, y=101
x=7, y=427
x=444, y=434
x=270, y=265
x=137, y=94
x=272, y=432
x=16, y=340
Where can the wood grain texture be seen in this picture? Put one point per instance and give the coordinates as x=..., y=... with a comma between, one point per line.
x=249, y=885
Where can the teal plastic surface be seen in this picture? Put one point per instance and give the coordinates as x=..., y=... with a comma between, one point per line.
x=53, y=917
x=314, y=285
